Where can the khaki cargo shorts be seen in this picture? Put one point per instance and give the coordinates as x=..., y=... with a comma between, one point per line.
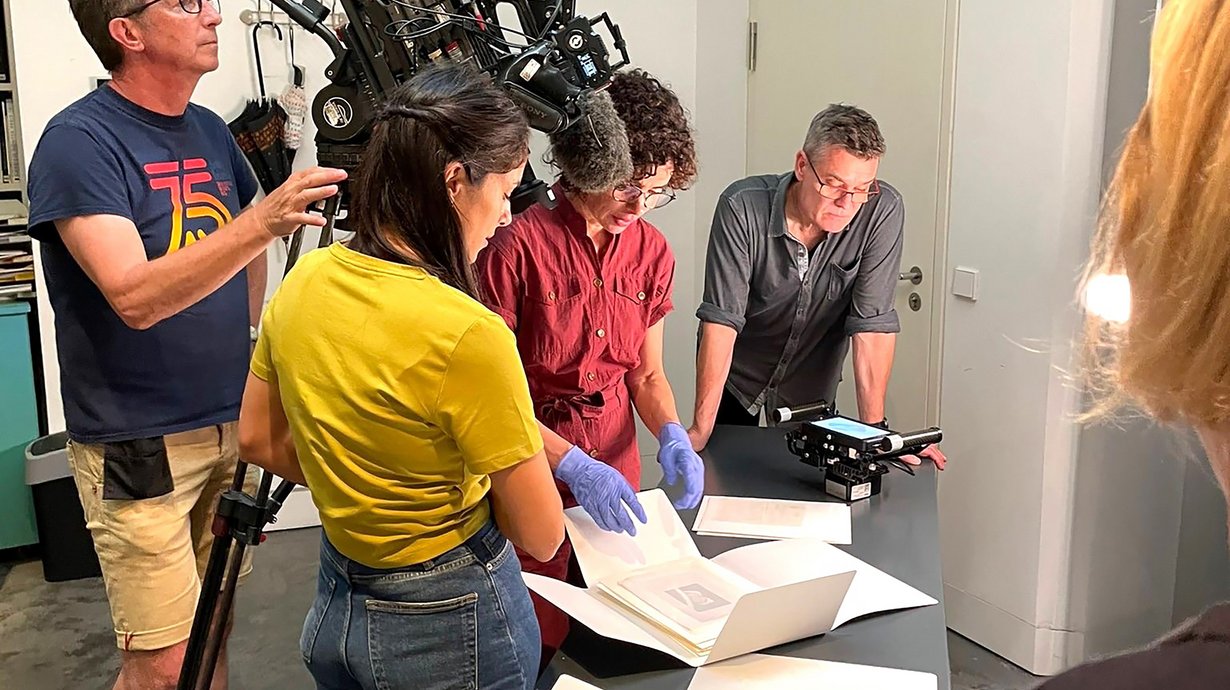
x=149, y=505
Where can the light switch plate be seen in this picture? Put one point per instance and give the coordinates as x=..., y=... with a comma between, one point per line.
x=965, y=283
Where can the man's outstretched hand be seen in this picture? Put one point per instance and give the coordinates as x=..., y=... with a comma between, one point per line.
x=932, y=453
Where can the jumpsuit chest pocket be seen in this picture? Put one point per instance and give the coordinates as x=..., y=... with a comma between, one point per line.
x=633, y=300
x=554, y=310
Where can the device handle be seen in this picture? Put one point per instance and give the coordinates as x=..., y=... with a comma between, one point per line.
x=787, y=414
x=893, y=443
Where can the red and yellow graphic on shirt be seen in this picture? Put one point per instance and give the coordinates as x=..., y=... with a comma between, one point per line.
x=186, y=202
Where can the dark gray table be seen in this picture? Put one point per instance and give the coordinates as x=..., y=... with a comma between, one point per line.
x=896, y=531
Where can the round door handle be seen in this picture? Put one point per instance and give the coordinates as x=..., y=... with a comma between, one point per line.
x=914, y=275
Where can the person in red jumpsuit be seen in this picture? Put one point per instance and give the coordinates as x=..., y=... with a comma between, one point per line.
x=585, y=287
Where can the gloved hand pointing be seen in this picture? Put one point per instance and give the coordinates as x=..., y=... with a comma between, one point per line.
x=679, y=460
x=601, y=490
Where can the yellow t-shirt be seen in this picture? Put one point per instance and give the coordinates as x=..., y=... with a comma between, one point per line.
x=403, y=394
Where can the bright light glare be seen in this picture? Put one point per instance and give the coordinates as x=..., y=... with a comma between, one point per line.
x=1109, y=297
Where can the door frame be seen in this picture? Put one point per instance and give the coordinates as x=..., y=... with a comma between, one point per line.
x=939, y=262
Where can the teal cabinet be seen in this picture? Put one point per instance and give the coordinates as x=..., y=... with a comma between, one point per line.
x=18, y=425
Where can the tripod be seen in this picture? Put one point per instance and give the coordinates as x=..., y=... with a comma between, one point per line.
x=239, y=523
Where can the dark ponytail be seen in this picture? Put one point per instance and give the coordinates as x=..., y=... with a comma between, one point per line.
x=400, y=201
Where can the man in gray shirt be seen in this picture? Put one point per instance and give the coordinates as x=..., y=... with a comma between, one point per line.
x=799, y=265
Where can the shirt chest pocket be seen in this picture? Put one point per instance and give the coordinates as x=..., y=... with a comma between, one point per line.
x=841, y=282
x=635, y=300
x=556, y=317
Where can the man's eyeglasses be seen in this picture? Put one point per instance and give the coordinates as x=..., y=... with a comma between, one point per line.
x=188, y=6
x=834, y=193
x=630, y=193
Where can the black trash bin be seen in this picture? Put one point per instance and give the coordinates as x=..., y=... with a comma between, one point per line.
x=68, y=550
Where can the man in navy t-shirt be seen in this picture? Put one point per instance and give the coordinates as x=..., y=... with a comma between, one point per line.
x=155, y=273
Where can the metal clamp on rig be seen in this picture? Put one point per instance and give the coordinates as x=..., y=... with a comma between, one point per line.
x=853, y=456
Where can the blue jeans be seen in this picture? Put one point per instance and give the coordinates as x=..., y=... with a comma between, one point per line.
x=461, y=620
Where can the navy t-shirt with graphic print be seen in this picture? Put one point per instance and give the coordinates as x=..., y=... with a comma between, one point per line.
x=177, y=179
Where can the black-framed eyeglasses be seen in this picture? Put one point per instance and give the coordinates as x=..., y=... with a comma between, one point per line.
x=654, y=198
x=188, y=6
x=834, y=193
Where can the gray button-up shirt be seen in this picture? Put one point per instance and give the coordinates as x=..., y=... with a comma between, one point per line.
x=794, y=311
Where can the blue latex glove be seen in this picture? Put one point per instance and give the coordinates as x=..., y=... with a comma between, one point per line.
x=601, y=490
x=679, y=460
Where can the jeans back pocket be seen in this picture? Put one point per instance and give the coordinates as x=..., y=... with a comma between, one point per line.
x=424, y=645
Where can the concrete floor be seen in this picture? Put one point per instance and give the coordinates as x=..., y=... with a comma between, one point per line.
x=58, y=635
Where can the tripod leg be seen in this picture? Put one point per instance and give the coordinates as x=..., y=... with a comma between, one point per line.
x=194, y=668
x=219, y=618
x=332, y=204
x=292, y=253
x=202, y=623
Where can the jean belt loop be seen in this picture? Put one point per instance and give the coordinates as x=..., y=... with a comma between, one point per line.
x=483, y=543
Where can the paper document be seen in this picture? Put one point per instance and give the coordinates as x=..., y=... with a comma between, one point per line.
x=570, y=683
x=763, y=672
x=657, y=591
x=602, y=554
x=766, y=518
x=690, y=598
x=775, y=563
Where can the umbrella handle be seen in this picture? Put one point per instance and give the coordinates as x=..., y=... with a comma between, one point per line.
x=296, y=70
x=256, y=49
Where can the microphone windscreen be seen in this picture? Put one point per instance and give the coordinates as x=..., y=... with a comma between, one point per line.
x=593, y=154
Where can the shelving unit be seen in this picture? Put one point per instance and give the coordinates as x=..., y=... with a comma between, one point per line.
x=21, y=384
x=16, y=248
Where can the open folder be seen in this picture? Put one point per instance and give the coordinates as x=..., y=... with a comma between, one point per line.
x=657, y=591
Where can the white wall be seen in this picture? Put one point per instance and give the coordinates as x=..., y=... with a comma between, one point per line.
x=721, y=115
x=1024, y=189
x=1058, y=543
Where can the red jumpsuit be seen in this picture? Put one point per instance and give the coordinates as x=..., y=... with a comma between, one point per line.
x=580, y=319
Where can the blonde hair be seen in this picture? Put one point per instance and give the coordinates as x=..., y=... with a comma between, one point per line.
x=1166, y=226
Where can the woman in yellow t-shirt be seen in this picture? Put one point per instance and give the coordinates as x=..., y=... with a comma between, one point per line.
x=384, y=386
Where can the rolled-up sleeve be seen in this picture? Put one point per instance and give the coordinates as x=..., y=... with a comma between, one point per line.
x=499, y=285
x=728, y=268
x=872, y=308
x=665, y=279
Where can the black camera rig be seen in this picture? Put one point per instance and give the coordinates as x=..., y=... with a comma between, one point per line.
x=853, y=456
x=384, y=43
x=547, y=66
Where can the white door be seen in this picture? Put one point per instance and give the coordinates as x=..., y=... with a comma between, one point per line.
x=894, y=59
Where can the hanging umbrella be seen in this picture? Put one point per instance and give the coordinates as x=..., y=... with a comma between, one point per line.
x=294, y=101
x=259, y=128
